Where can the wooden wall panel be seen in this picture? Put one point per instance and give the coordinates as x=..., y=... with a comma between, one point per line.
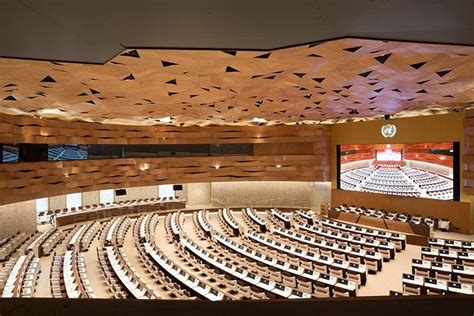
x=458, y=212
x=22, y=129
x=469, y=152
x=26, y=181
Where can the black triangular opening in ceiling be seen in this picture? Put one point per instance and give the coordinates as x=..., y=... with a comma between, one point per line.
x=91, y=101
x=173, y=81
x=382, y=59
x=230, y=52
x=299, y=74
x=264, y=56
x=94, y=91
x=9, y=98
x=443, y=73
x=48, y=79
x=352, y=49
x=129, y=77
x=167, y=63
x=365, y=74
x=82, y=94
x=132, y=53
x=9, y=85
x=314, y=55
x=172, y=93
x=230, y=69
x=270, y=77
x=418, y=65
x=421, y=91
x=319, y=80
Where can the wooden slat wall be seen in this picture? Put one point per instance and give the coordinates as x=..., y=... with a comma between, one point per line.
x=469, y=152
x=26, y=181
x=22, y=129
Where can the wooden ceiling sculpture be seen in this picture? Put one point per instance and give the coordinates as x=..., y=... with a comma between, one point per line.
x=324, y=82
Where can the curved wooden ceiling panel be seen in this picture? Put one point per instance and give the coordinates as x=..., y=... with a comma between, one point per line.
x=319, y=83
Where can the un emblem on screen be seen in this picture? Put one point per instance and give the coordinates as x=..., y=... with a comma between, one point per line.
x=388, y=130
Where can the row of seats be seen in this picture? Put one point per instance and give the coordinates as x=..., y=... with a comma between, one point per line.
x=10, y=245
x=51, y=241
x=442, y=224
x=19, y=276
x=441, y=243
x=93, y=207
x=440, y=272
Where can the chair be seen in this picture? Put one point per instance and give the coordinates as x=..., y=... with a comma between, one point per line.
x=410, y=290
x=322, y=291
x=340, y=293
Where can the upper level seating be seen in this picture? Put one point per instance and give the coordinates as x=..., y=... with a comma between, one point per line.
x=43, y=217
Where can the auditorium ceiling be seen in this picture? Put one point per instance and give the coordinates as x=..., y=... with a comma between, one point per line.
x=325, y=82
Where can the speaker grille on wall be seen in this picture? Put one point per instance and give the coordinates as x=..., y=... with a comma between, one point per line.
x=120, y=192
x=177, y=187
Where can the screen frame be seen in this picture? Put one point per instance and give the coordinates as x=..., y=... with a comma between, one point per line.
x=456, y=167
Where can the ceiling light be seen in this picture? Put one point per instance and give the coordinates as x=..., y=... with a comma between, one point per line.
x=166, y=119
x=278, y=166
x=259, y=120
x=217, y=166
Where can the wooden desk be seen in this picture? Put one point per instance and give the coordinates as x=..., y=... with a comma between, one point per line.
x=117, y=210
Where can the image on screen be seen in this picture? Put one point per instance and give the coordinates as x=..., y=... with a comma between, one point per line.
x=423, y=170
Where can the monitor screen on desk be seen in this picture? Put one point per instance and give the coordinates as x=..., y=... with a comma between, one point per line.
x=426, y=170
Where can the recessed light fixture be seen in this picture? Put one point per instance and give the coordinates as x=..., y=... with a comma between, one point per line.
x=217, y=166
x=442, y=158
x=278, y=166
x=144, y=166
x=259, y=120
x=166, y=119
x=66, y=175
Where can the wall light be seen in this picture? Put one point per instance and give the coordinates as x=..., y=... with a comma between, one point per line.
x=144, y=166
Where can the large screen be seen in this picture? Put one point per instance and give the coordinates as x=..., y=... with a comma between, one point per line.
x=427, y=170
